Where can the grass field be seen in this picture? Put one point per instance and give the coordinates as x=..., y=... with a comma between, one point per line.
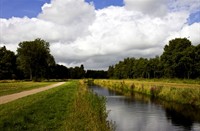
x=11, y=87
x=174, y=80
x=181, y=92
x=69, y=107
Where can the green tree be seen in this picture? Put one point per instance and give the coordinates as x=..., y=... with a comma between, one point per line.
x=180, y=59
x=59, y=72
x=77, y=72
x=111, y=72
x=140, y=68
x=34, y=58
x=127, y=67
x=119, y=70
x=82, y=71
x=7, y=64
x=197, y=61
x=175, y=63
x=154, y=67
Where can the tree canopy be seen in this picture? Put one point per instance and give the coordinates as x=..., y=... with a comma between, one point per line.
x=7, y=64
x=180, y=59
x=34, y=58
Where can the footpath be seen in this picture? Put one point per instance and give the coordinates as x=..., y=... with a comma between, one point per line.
x=12, y=97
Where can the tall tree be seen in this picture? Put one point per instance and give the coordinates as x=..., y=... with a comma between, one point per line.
x=111, y=72
x=154, y=67
x=173, y=58
x=59, y=72
x=77, y=72
x=34, y=58
x=7, y=64
x=197, y=61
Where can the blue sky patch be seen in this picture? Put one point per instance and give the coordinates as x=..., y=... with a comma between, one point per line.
x=194, y=17
x=31, y=8
x=20, y=8
x=99, y=4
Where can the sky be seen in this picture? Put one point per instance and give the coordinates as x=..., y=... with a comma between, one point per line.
x=99, y=33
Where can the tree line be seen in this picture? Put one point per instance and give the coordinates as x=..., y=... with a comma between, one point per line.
x=33, y=61
x=180, y=59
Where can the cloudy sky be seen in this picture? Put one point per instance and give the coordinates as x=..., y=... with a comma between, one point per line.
x=99, y=33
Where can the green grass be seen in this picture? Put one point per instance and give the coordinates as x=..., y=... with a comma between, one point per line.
x=68, y=107
x=179, y=92
x=18, y=86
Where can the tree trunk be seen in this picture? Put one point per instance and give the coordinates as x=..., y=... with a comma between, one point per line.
x=188, y=75
x=31, y=76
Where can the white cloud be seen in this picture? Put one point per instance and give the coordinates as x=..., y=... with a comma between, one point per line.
x=184, y=5
x=190, y=32
x=150, y=7
x=68, y=12
x=78, y=34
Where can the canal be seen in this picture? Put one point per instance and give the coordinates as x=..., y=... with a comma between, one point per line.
x=141, y=113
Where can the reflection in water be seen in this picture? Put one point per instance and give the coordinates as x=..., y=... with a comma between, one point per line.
x=140, y=113
x=179, y=119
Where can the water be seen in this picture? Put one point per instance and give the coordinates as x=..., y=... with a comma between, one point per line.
x=140, y=113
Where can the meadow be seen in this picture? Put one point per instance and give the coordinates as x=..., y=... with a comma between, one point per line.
x=183, y=92
x=10, y=87
x=70, y=107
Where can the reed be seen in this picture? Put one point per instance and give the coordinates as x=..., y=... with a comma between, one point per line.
x=183, y=93
x=88, y=111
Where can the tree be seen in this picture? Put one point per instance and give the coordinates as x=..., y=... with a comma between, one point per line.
x=110, y=72
x=34, y=58
x=96, y=74
x=59, y=72
x=197, y=61
x=82, y=71
x=77, y=72
x=180, y=59
x=119, y=70
x=7, y=64
x=154, y=67
x=140, y=68
x=174, y=60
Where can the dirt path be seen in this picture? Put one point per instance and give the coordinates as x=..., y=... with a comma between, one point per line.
x=12, y=97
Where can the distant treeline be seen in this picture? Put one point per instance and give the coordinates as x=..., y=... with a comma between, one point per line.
x=33, y=61
x=180, y=59
x=62, y=72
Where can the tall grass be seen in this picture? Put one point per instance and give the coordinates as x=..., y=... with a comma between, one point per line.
x=68, y=107
x=88, y=112
x=188, y=94
x=174, y=80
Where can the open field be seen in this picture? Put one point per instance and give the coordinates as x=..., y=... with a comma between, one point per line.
x=67, y=107
x=179, y=92
x=11, y=87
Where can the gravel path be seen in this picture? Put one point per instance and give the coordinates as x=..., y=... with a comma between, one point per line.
x=12, y=97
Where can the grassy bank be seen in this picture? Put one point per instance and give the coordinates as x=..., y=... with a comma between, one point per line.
x=68, y=107
x=10, y=87
x=177, y=92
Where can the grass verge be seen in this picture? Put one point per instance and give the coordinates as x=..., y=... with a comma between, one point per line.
x=11, y=87
x=183, y=93
x=68, y=107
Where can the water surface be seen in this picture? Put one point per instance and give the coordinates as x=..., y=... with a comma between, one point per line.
x=140, y=113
